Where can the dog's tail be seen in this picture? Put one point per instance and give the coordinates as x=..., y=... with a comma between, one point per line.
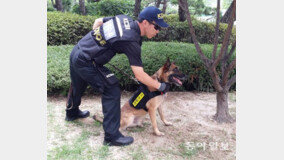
x=97, y=118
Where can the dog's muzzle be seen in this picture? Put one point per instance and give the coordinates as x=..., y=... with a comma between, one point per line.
x=177, y=79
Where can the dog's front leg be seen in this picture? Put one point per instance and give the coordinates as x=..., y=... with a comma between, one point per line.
x=152, y=113
x=160, y=110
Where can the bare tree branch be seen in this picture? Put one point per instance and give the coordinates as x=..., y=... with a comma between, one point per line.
x=184, y=5
x=82, y=7
x=223, y=66
x=226, y=38
x=208, y=62
x=164, y=6
x=224, y=45
x=216, y=80
x=231, y=51
x=137, y=8
x=227, y=71
x=216, y=31
x=181, y=14
x=225, y=18
x=230, y=82
x=226, y=57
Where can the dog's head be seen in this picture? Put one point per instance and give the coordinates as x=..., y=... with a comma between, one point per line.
x=170, y=73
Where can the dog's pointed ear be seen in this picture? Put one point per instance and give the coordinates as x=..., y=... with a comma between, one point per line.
x=167, y=65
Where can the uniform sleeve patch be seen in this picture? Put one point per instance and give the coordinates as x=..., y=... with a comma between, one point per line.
x=126, y=23
x=109, y=30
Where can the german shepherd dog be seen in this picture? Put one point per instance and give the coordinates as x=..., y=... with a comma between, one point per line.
x=131, y=117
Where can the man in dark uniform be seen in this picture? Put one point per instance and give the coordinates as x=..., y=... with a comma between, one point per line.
x=111, y=35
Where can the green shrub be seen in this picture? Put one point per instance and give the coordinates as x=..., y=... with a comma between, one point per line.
x=58, y=78
x=66, y=5
x=76, y=8
x=66, y=28
x=50, y=8
x=179, y=31
x=115, y=7
x=107, y=8
x=91, y=9
x=154, y=55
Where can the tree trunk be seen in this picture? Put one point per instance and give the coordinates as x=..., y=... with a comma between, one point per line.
x=227, y=15
x=137, y=8
x=82, y=7
x=223, y=114
x=164, y=6
x=59, y=5
x=181, y=14
x=158, y=3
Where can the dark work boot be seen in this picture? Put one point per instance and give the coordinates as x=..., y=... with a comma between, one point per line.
x=71, y=115
x=121, y=141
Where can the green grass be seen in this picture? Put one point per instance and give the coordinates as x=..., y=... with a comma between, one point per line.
x=233, y=136
x=138, y=154
x=187, y=152
x=67, y=151
x=75, y=148
x=182, y=151
x=232, y=111
x=50, y=113
x=177, y=120
x=102, y=152
x=136, y=129
x=77, y=123
x=232, y=96
x=78, y=149
x=97, y=124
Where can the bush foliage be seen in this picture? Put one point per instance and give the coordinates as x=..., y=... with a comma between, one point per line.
x=66, y=28
x=107, y=7
x=179, y=31
x=154, y=55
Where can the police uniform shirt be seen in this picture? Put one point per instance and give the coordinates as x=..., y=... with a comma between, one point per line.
x=131, y=49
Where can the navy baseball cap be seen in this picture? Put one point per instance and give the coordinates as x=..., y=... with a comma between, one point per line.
x=153, y=14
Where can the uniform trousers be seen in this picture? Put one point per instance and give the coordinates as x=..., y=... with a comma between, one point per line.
x=84, y=72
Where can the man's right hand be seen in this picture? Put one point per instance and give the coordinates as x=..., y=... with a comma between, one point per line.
x=165, y=87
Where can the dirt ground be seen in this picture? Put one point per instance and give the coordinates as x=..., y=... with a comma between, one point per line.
x=194, y=134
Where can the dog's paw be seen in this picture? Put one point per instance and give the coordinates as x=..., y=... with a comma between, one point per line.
x=168, y=123
x=160, y=133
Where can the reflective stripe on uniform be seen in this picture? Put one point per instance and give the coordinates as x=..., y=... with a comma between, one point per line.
x=119, y=26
